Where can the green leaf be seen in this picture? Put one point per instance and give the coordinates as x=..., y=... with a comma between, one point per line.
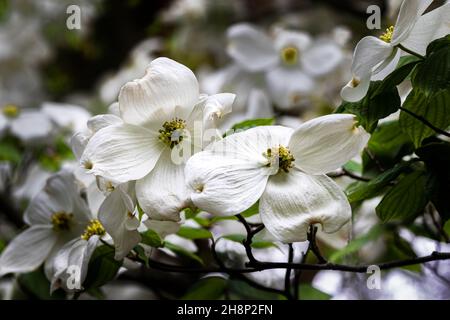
x=36, y=284
x=433, y=74
x=102, y=267
x=257, y=244
x=364, y=190
x=9, y=152
x=308, y=292
x=254, y=209
x=2, y=245
x=210, y=288
x=141, y=254
x=447, y=227
x=397, y=76
x=436, y=156
x=388, y=143
x=435, y=108
x=194, y=233
x=356, y=244
x=190, y=213
x=370, y=109
x=242, y=290
x=152, y=239
x=247, y=124
x=406, y=200
x=183, y=253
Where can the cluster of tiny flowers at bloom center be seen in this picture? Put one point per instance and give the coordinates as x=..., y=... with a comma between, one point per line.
x=387, y=36
x=94, y=228
x=10, y=110
x=289, y=55
x=171, y=133
x=280, y=156
x=61, y=220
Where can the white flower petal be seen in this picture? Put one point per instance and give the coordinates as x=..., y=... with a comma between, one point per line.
x=59, y=195
x=231, y=175
x=429, y=27
x=162, y=194
x=122, y=152
x=31, y=125
x=166, y=85
x=66, y=115
x=163, y=228
x=293, y=201
x=322, y=58
x=288, y=38
x=369, y=52
x=103, y=120
x=288, y=87
x=113, y=214
x=409, y=13
x=356, y=89
x=78, y=143
x=28, y=250
x=326, y=143
x=250, y=47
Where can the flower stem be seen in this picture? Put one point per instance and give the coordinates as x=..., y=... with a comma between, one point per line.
x=411, y=52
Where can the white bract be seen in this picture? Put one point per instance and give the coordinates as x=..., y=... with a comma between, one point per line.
x=412, y=31
x=162, y=121
x=56, y=215
x=283, y=169
x=289, y=59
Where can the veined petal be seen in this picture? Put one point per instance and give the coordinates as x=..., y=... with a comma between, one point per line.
x=288, y=86
x=326, y=143
x=231, y=175
x=122, y=152
x=322, y=58
x=166, y=85
x=162, y=194
x=28, y=250
x=409, y=13
x=295, y=200
x=369, y=53
x=431, y=26
x=103, y=120
x=163, y=227
x=250, y=47
x=78, y=143
x=113, y=214
x=356, y=89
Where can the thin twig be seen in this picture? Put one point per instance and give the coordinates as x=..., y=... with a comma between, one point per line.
x=287, y=277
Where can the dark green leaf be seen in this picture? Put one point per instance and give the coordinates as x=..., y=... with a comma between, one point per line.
x=9, y=152
x=434, y=108
x=365, y=190
x=36, y=284
x=433, y=74
x=183, y=253
x=140, y=251
x=242, y=290
x=397, y=76
x=370, y=109
x=194, y=233
x=437, y=158
x=308, y=292
x=210, y=288
x=152, y=239
x=102, y=267
x=406, y=200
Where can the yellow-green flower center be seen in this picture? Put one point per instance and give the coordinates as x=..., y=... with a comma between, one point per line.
x=280, y=156
x=94, y=228
x=289, y=55
x=61, y=220
x=387, y=36
x=172, y=132
x=11, y=110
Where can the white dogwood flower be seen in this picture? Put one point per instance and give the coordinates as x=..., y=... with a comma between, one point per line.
x=290, y=60
x=412, y=31
x=56, y=215
x=283, y=169
x=162, y=117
